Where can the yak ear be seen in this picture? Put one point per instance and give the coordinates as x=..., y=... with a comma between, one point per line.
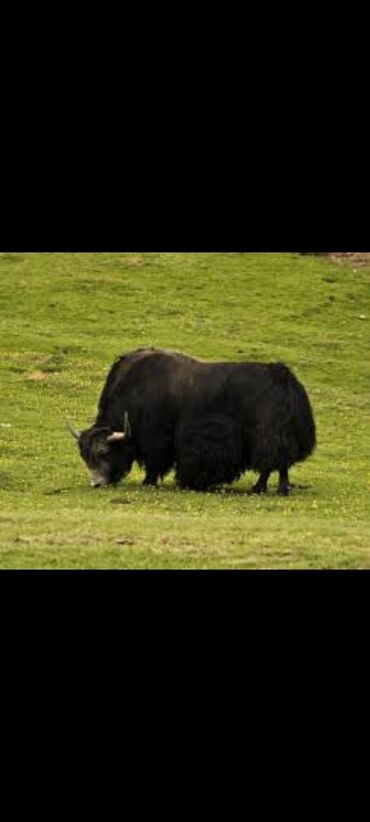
x=117, y=436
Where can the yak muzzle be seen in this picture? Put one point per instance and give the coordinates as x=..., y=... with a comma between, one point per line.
x=98, y=480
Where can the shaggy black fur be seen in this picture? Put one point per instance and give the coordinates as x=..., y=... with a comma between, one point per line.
x=165, y=393
x=208, y=452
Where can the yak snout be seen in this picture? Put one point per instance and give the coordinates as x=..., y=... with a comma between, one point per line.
x=98, y=480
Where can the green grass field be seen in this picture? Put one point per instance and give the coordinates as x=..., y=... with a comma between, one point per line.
x=64, y=318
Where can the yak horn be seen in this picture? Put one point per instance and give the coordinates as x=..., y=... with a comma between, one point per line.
x=74, y=433
x=118, y=436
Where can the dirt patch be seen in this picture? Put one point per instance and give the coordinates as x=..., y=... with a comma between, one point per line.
x=125, y=541
x=135, y=259
x=356, y=258
x=37, y=376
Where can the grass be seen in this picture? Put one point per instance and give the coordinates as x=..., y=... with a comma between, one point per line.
x=65, y=317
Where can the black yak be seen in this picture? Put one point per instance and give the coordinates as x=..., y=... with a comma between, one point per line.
x=151, y=399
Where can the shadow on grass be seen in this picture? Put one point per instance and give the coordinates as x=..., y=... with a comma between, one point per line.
x=222, y=491
x=136, y=487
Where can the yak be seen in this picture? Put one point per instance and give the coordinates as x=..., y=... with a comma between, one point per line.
x=168, y=410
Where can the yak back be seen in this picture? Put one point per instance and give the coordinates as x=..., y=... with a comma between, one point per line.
x=158, y=384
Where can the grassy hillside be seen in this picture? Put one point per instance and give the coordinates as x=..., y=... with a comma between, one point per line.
x=65, y=317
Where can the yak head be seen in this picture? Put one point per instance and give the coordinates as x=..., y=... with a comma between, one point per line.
x=108, y=454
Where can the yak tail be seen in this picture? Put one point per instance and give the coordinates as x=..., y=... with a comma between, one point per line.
x=301, y=418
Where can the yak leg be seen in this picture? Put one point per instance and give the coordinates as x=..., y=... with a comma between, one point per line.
x=284, y=484
x=261, y=485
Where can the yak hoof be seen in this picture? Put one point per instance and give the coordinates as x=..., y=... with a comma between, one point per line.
x=259, y=489
x=284, y=490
